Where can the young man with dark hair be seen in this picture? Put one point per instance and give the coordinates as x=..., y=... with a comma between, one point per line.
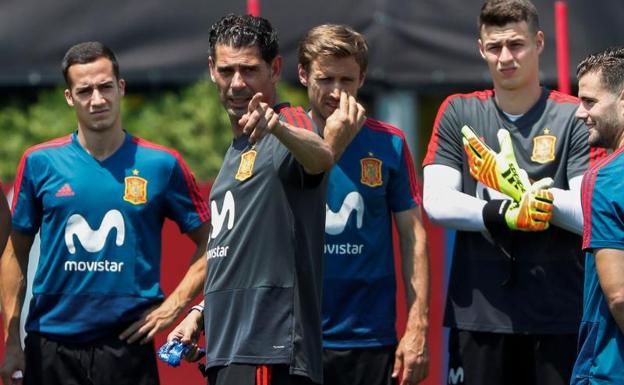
x=262, y=295
x=98, y=197
x=515, y=290
x=374, y=180
x=601, y=91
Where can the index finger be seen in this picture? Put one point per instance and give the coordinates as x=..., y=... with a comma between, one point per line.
x=344, y=102
x=361, y=115
x=130, y=330
x=254, y=102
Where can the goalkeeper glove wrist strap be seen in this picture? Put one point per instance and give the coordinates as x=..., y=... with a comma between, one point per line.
x=494, y=219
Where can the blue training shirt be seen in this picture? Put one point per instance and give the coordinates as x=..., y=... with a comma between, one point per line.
x=100, y=224
x=601, y=344
x=374, y=177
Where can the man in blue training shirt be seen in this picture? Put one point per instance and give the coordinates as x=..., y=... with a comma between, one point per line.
x=601, y=342
x=98, y=197
x=373, y=181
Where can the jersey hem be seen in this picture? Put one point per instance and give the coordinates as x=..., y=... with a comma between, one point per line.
x=554, y=329
x=355, y=344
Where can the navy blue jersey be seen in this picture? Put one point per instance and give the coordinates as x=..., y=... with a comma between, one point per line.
x=601, y=358
x=374, y=177
x=100, y=224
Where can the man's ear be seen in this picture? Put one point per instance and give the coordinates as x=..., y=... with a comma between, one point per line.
x=362, y=79
x=481, y=49
x=122, y=87
x=68, y=97
x=211, y=68
x=303, y=76
x=539, y=41
x=276, y=68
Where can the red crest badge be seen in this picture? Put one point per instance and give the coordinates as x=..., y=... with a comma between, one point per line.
x=135, y=190
x=544, y=147
x=371, y=172
x=245, y=168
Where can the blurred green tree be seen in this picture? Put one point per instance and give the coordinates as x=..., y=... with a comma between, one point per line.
x=190, y=119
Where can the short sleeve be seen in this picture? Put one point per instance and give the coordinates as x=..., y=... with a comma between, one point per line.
x=26, y=207
x=403, y=192
x=185, y=204
x=578, y=159
x=290, y=170
x=445, y=146
x=605, y=207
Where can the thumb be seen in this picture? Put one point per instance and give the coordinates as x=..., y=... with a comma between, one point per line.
x=542, y=184
x=524, y=178
x=468, y=133
x=506, y=147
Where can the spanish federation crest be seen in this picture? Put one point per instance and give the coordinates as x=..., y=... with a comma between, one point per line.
x=245, y=169
x=135, y=190
x=544, y=147
x=371, y=172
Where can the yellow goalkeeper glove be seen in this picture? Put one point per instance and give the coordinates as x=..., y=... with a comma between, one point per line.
x=534, y=210
x=497, y=171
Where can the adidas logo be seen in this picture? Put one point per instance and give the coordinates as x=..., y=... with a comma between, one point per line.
x=65, y=191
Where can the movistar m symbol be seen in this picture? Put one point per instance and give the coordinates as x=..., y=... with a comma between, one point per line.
x=218, y=217
x=94, y=240
x=335, y=222
x=456, y=376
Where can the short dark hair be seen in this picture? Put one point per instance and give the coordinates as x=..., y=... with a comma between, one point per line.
x=502, y=12
x=609, y=64
x=244, y=31
x=87, y=52
x=333, y=40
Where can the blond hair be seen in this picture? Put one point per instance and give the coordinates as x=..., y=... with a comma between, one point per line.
x=333, y=40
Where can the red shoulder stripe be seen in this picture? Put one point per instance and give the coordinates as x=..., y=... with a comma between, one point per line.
x=57, y=142
x=307, y=122
x=587, y=189
x=415, y=188
x=596, y=154
x=287, y=114
x=201, y=207
x=560, y=97
x=433, y=142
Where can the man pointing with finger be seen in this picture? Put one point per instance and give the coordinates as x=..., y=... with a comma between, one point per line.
x=262, y=296
x=515, y=289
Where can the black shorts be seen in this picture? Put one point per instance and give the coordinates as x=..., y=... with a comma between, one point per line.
x=362, y=366
x=239, y=374
x=103, y=362
x=481, y=358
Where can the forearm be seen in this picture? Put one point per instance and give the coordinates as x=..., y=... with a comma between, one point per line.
x=190, y=285
x=568, y=212
x=418, y=306
x=415, y=269
x=5, y=222
x=446, y=205
x=13, y=272
x=610, y=270
x=309, y=149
